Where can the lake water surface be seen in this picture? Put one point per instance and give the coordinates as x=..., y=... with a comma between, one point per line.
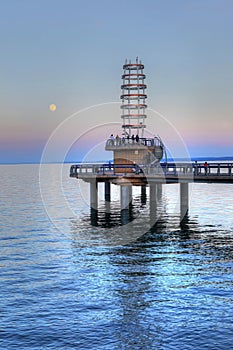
x=69, y=284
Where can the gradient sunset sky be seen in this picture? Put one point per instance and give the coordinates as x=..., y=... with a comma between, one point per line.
x=71, y=52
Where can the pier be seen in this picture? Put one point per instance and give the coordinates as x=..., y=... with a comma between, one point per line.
x=152, y=177
x=139, y=160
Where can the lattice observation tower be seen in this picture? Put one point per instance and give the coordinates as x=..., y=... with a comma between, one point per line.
x=132, y=147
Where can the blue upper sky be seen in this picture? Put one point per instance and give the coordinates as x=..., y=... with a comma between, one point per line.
x=71, y=52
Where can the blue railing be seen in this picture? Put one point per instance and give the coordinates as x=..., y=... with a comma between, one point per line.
x=175, y=169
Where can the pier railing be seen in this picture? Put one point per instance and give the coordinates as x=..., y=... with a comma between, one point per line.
x=118, y=142
x=176, y=169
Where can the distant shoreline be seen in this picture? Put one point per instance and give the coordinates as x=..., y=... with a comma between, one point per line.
x=193, y=159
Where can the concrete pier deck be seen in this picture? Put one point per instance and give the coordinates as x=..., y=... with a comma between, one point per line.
x=163, y=173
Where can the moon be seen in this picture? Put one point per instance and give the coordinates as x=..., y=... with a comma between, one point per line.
x=52, y=107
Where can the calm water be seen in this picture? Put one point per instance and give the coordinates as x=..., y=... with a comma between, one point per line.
x=67, y=284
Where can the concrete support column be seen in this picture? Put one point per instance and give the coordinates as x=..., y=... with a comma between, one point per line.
x=143, y=194
x=143, y=190
x=153, y=204
x=94, y=217
x=107, y=193
x=126, y=196
x=159, y=191
x=130, y=196
x=94, y=195
x=184, y=199
x=153, y=193
x=126, y=204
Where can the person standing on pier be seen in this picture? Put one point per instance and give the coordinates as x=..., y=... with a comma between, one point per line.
x=117, y=140
x=111, y=138
x=206, y=168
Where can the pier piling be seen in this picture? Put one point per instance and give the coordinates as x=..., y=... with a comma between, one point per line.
x=94, y=195
x=143, y=194
x=159, y=190
x=126, y=196
x=153, y=193
x=107, y=191
x=153, y=204
x=184, y=198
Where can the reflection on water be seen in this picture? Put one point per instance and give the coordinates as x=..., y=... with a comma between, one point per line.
x=162, y=286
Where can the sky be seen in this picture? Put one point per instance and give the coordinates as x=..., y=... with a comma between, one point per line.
x=70, y=53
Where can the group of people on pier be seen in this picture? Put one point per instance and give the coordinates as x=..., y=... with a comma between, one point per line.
x=122, y=140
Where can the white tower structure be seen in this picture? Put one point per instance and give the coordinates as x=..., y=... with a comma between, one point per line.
x=134, y=147
x=133, y=99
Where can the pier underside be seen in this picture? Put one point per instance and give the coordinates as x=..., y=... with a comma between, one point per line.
x=152, y=177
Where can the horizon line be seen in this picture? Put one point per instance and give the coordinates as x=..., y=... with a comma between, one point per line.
x=107, y=160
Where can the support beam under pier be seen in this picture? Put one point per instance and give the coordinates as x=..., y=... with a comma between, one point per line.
x=126, y=203
x=159, y=190
x=107, y=194
x=153, y=193
x=94, y=195
x=126, y=196
x=156, y=191
x=184, y=199
x=153, y=204
x=143, y=194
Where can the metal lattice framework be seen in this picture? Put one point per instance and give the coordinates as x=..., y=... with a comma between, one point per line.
x=133, y=98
